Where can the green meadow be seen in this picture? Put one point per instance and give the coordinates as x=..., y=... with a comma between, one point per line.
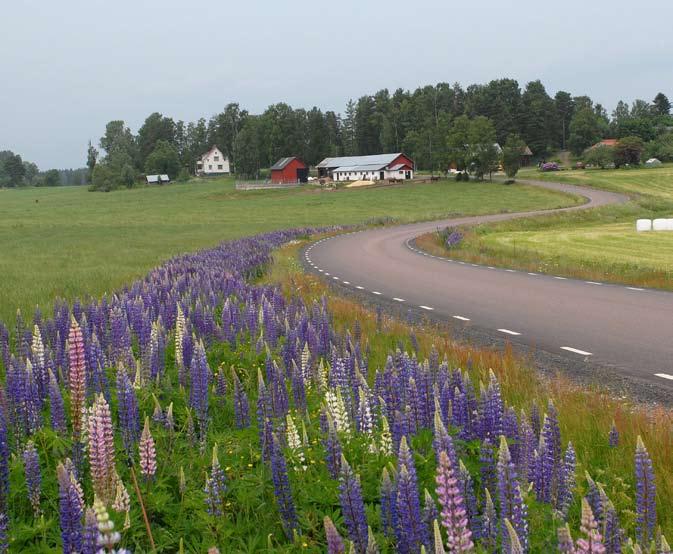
x=68, y=242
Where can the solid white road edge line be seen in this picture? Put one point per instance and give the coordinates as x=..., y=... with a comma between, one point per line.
x=664, y=376
x=576, y=351
x=509, y=332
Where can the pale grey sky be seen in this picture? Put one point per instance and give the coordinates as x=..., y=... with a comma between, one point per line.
x=69, y=66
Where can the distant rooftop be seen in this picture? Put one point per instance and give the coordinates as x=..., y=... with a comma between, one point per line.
x=352, y=161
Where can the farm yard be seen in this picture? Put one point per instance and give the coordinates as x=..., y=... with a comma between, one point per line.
x=598, y=244
x=68, y=243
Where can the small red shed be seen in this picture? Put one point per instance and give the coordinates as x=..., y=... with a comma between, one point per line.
x=289, y=170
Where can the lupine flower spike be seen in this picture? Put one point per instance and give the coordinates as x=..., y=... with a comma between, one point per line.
x=148, y=455
x=216, y=486
x=335, y=544
x=453, y=514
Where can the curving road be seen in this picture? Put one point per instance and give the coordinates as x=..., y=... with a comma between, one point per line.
x=625, y=329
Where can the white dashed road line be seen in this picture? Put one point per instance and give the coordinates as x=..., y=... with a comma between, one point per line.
x=664, y=376
x=359, y=287
x=560, y=278
x=576, y=351
x=377, y=293
x=635, y=288
x=534, y=274
x=509, y=332
x=460, y=317
x=426, y=308
x=347, y=282
x=398, y=299
x=592, y=283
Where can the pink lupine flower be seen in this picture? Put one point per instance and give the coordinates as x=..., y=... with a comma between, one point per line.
x=101, y=451
x=76, y=376
x=148, y=454
x=453, y=514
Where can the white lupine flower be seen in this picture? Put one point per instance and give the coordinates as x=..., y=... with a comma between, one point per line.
x=38, y=348
x=386, y=439
x=180, y=325
x=305, y=358
x=294, y=443
x=337, y=408
x=365, y=414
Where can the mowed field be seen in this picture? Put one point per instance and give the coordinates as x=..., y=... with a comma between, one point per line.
x=599, y=244
x=68, y=242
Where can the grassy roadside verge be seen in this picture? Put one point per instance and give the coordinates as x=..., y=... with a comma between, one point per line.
x=585, y=414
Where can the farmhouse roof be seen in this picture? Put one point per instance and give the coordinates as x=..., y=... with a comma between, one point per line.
x=525, y=151
x=283, y=162
x=212, y=149
x=381, y=160
x=398, y=166
x=606, y=142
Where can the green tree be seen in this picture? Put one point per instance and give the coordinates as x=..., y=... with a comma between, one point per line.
x=458, y=143
x=127, y=176
x=156, y=128
x=600, y=156
x=511, y=155
x=628, y=151
x=103, y=178
x=52, y=178
x=585, y=130
x=91, y=159
x=349, y=130
x=662, y=105
x=247, y=149
x=537, y=118
x=564, y=104
x=118, y=139
x=163, y=159
x=14, y=170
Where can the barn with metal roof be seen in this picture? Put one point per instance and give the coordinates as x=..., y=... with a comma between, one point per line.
x=375, y=167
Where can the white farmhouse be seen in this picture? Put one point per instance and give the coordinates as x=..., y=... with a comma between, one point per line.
x=213, y=162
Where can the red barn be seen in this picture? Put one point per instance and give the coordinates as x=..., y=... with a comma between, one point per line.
x=289, y=170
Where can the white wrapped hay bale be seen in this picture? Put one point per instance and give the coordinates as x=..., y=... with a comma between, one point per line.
x=669, y=224
x=643, y=225
x=659, y=224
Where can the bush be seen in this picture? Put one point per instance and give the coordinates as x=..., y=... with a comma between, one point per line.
x=600, y=156
x=628, y=151
x=184, y=175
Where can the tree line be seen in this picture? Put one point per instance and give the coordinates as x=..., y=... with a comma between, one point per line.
x=427, y=124
x=17, y=172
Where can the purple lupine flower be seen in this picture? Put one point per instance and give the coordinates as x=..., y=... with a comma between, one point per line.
x=216, y=487
x=453, y=513
x=199, y=384
x=466, y=487
x=543, y=469
x=614, y=535
x=90, y=534
x=429, y=514
x=332, y=449
x=4, y=538
x=4, y=461
x=566, y=481
x=565, y=540
x=535, y=420
x=241, y=405
x=31, y=463
x=613, y=437
x=410, y=529
x=127, y=407
x=70, y=511
x=76, y=377
x=552, y=434
x=512, y=506
x=56, y=408
x=646, y=507
x=442, y=441
x=353, y=507
x=487, y=459
x=335, y=544
x=221, y=385
x=593, y=543
x=594, y=497
x=264, y=413
x=489, y=524
x=388, y=497
x=147, y=451
x=281, y=485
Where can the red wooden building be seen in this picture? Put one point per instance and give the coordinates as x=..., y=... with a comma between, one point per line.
x=289, y=170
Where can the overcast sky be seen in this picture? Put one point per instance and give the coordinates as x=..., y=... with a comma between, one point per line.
x=69, y=66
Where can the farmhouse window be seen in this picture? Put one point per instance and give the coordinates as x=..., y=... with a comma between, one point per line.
x=220, y=167
x=217, y=158
x=210, y=166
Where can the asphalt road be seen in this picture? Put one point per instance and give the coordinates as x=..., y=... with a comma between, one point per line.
x=627, y=330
